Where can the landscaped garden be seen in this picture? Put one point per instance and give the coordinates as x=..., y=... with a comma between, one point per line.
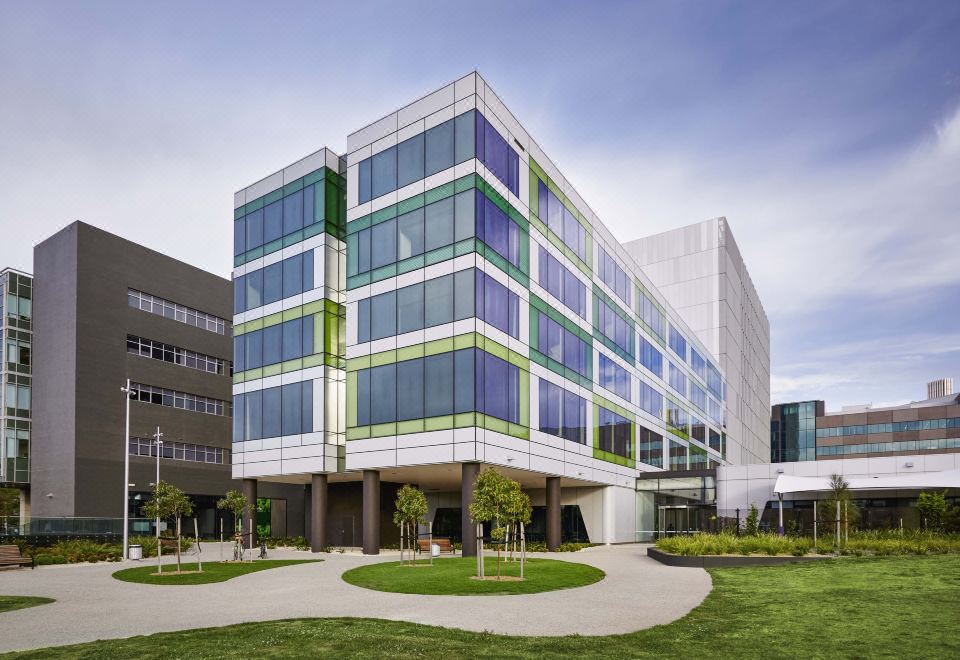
x=889, y=607
x=212, y=571
x=456, y=576
x=9, y=603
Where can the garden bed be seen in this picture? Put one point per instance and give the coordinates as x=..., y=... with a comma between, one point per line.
x=727, y=561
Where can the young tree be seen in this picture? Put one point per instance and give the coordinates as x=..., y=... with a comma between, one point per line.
x=933, y=509
x=519, y=512
x=410, y=509
x=492, y=498
x=751, y=527
x=234, y=502
x=169, y=502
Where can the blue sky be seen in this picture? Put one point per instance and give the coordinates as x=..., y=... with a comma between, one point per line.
x=827, y=133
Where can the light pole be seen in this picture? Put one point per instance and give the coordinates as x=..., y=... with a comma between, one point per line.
x=126, y=476
x=156, y=486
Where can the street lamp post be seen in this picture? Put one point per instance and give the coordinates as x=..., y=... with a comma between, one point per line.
x=156, y=485
x=126, y=476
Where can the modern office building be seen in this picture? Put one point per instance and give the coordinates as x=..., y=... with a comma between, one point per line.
x=491, y=319
x=106, y=310
x=16, y=345
x=805, y=431
x=939, y=388
x=700, y=271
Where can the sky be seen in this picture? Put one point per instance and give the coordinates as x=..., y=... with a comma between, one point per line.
x=827, y=133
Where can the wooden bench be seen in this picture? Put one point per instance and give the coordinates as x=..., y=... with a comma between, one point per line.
x=10, y=556
x=445, y=545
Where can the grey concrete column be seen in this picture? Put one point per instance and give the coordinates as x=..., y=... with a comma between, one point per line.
x=250, y=513
x=553, y=513
x=468, y=535
x=371, y=512
x=318, y=512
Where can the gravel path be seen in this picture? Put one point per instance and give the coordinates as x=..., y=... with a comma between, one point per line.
x=638, y=592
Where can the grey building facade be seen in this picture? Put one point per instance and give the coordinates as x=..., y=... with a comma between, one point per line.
x=105, y=310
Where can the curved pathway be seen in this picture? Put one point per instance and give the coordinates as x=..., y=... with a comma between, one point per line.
x=637, y=592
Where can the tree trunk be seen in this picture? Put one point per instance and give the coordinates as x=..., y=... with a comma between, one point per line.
x=178, y=545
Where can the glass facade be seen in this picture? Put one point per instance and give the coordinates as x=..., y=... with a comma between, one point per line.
x=16, y=359
x=793, y=432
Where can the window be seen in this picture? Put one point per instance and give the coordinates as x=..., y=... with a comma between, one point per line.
x=614, y=433
x=714, y=381
x=614, y=377
x=649, y=447
x=279, y=280
x=173, y=399
x=174, y=354
x=440, y=151
x=678, y=379
x=614, y=276
x=176, y=312
x=698, y=364
x=497, y=155
x=715, y=411
x=651, y=400
x=651, y=358
x=614, y=327
x=678, y=344
x=651, y=314
x=274, y=412
x=562, y=222
x=274, y=344
x=462, y=381
x=384, y=172
x=715, y=441
x=497, y=230
x=180, y=451
x=562, y=345
x=562, y=413
x=383, y=244
x=698, y=430
x=410, y=161
x=498, y=305
x=678, y=456
x=562, y=283
x=272, y=221
x=677, y=418
x=698, y=396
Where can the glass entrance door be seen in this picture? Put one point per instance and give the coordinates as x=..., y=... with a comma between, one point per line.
x=674, y=520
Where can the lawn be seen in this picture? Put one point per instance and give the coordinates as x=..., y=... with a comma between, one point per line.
x=848, y=608
x=212, y=571
x=451, y=576
x=9, y=603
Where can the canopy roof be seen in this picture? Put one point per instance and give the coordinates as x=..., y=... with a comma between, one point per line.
x=914, y=481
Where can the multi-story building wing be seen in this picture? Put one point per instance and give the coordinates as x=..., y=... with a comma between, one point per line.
x=16, y=345
x=288, y=351
x=492, y=319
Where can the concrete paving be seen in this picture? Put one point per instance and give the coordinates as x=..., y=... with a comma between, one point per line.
x=637, y=593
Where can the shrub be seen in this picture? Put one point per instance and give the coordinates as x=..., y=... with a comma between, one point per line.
x=298, y=542
x=874, y=542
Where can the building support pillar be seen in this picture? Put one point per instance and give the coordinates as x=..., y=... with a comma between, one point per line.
x=318, y=512
x=468, y=530
x=24, y=506
x=249, y=518
x=553, y=514
x=371, y=512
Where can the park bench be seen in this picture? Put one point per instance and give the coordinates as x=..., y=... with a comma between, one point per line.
x=10, y=556
x=445, y=545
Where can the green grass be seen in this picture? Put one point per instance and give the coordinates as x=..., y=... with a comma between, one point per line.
x=10, y=603
x=451, y=576
x=860, y=543
x=212, y=571
x=849, y=608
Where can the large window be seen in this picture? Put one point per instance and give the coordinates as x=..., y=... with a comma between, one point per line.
x=176, y=312
x=649, y=447
x=562, y=222
x=614, y=327
x=650, y=313
x=562, y=413
x=445, y=299
x=182, y=400
x=461, y=381
x=698, y=430
x=614, y=276
x=698, y=396
x=273, y=412
x=651, y=400
x=678, y=379
x=290, y=277
x=281, y=217
x=454, y=141
x=289, y=340
x=715, y=440
x=180, y=451
x=714, y=381
x=678, y=344
x=562, y=345
x=651, y=358
x=174, y=354
x=614, y=377
x=698, y=364
x=715, y=411
x=678, y=456
x=677, y=418
x=614, y=433
x=562, y=283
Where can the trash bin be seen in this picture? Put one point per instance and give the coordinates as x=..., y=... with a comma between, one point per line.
x=135, y=552
x=434, y=550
